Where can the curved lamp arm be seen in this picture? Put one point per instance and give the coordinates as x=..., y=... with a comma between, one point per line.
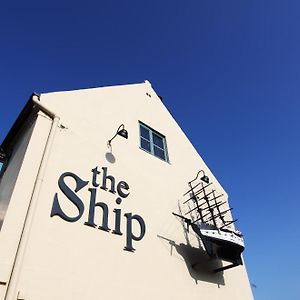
x=203, y=178
x=120, y=131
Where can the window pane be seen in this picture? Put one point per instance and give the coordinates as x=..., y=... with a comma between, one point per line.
x=158, y=141
x=153, y=142
x=159, y=153
x=145, y=133
x=145, y=145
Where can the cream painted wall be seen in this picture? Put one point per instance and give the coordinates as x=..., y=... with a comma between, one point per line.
x=21, y=176
x=64, y=260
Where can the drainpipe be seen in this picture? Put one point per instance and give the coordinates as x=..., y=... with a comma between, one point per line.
x=11, y=291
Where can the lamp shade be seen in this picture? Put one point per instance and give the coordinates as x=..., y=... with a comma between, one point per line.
x=123, y=133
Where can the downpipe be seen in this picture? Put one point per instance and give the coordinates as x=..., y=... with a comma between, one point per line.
x=12, y=292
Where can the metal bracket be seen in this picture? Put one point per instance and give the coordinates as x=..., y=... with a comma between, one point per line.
x=225, y=268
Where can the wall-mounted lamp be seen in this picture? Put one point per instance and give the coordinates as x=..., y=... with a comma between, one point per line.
x=204, y=178
x=120, y=131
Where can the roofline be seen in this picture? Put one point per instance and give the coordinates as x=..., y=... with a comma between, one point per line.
x=31, y=106
x=24, y=114
x=147, y=82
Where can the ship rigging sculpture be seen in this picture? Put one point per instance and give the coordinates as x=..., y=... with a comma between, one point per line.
x=211, y=222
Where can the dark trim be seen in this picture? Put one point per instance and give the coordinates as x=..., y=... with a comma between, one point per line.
x=155, y=131
x=28, y=109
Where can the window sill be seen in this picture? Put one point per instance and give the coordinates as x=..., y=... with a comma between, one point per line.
x=167, y=161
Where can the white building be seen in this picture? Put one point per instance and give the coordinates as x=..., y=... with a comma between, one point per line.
x=87, y=219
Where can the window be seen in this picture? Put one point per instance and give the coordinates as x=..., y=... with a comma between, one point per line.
x=153, y=142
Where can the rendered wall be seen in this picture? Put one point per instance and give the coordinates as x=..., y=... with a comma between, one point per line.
x=69, y=260
x=29, y=151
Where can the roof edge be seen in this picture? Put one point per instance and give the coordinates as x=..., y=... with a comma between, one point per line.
x=147, y=82
x=27, y=110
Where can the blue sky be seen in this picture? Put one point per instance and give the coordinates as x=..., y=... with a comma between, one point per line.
x=229, y=73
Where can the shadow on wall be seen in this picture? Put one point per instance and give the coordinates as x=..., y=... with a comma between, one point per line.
x=110, y=157
x=200, y=266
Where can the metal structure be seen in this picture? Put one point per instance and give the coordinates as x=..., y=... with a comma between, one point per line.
x=211, y=223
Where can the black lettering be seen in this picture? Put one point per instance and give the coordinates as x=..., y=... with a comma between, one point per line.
x=129, y=235
x=117, y=229
x=71, y=195
x=123, y=185
x=112, y=180
x=91, y=217
x=95, y=173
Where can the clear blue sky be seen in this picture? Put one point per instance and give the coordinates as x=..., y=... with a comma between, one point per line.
x=229, y=72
